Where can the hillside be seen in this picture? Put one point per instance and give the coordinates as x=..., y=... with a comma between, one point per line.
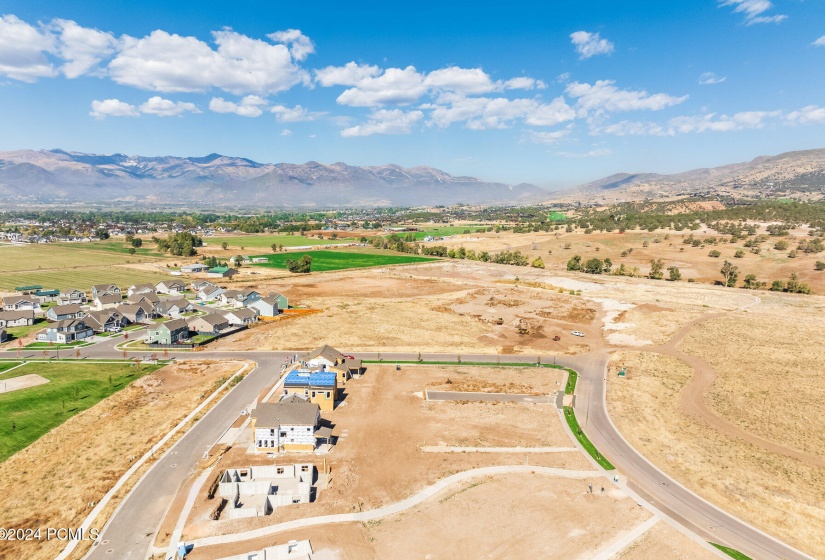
x=60, y=177
x=795, y=175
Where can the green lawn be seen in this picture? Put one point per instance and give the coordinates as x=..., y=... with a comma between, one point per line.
x=28, y=414
x=202, y=338
x=117, y=247
x=570, y=415
x=49, y=346
x=339, y=260
x=731, y=552
x=557, y=216
x=444, y=231
x=572, y=377
x=19, y=332
x=8, y=365
x=258, y=241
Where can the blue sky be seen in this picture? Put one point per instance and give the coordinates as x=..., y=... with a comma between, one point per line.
x=551, y=93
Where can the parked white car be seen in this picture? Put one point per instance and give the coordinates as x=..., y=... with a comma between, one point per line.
x=577, y=333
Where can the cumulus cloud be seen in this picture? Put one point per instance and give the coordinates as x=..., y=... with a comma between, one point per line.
x=294, y=114
x=171, y=63
x=249, y=106
x=395, y=86
x=590, y=44
x=23, y=50
x=300, y=46
x=753, y=10
x=745, y=120
x=819, y=42
x=112, y=108
x=350, y=74
x=554, y=137
x=481, y=113
x=633, y=128
x=604, y=96
x=81, y=47
x=385, y=121
x=812, y=114
x=709, y=78
x=167, y=108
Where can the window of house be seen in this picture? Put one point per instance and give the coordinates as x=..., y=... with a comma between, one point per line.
x=283, y=434
x=328, y=394
x=272, y=432
x=280, y=470
x=260, y=443
x=313, y=394
x=305, y=468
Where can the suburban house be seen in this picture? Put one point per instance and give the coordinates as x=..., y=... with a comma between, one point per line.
x=288, y=425
x=171, y=287
x=243, y=316
x=71, y=296
x=141, y=289
x=210, y=293
x=198, y=285
x=327, y=358
x=68, y=330
x=10, y=319
x=173, y=307
x=104, y=289
x=170, y=332
x=270, y=305
x=318, y=386
x=61, y=312
x=151, y=298
x=221, y=272
x=21, y=303
x=239, y=298
x=107, y=301
x=194, y=268
x=135, y=313
x=47, y=296
x=105, y=320
x=208, y=324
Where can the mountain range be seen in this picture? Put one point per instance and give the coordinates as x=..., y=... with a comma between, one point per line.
x=797, y=175
x=57, y=176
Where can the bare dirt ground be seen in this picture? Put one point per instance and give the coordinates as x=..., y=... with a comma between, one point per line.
x=776, y=493
x=663, y=541
x=528, y=380
x=382, y=424
x=52, y=482
x=501, y=517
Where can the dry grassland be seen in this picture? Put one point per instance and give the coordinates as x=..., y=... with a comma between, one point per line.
x=382, y=424
x=777, y=494
x=52, y=482
x=664, y=542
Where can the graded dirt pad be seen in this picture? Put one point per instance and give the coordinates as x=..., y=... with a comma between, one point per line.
x=664, y=542
x=381, y=426
x=526, y=380
x=22, y=382
x=491, y=517
x=775, y=493
x=52, y=482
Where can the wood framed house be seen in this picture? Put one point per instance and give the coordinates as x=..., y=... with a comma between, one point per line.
x=11, y=319
x=208, y=324
x=288, y=425
x=243, y=316
x=140, y=289
x=21, y=303
x=210, y=293
x=105, y=320
x=134, y=313
x=107, y=302
x=319, y=387
x=71, y=296
x=170, y=287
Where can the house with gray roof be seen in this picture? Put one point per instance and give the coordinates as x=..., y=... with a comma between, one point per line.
x=288, y=425
x=11, y=319
x=21, y=303
x=61, y=312
x=104, y=289
x=242, y=316
x=170, y=332
x=66, y=331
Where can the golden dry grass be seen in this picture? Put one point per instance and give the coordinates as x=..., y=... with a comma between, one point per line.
x=52, y=482
x=777, y=494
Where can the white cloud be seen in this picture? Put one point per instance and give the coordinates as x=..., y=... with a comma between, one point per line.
x=524, y=82
x=549, y=137
x=294, y=114
x=745, y=120
x=480, y=113
x=811, y=114
x=81, y=47
x=633, y=128
x=753, y=10
x=709, y=78
x=350, y=74
x=385, y=121
x=604, y=96
x=250, y=106
x=300, y=46
x=590, y=44
x=819, y=42
x=592, y=153
x=23, y=50
x=166, y=107
x=112, y=108
x=470, y=81
x=286, y=132
x=172, y=63
x=395, y=86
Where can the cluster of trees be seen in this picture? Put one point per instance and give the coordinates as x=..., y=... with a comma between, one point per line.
x=302, y=266
x=592, y=266
x=135, y=242
x=179, y=244
x=212, y=262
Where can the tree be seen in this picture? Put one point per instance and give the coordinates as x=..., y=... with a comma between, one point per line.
x=674, y=274
x=778, y=286
x=238, y=261
x=750, y=282
x=132, y=250
x=224, y=245
x=780, y=245
x=794, y=286
x=301, y=266
x=537, y=263
x=575, y=263
x=730, y=273
x=129, y=238
x=137, y=242
x=274, y=247
x=739, y=254
x=656, y=268
x=608, y=264
x=594, y=266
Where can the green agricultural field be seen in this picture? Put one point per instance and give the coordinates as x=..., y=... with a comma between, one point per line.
x=444, y=231
x=82, y=278
x=557, y=216
x=73, y=387
x=339, y=260
x=259, y=241
x=118, y=247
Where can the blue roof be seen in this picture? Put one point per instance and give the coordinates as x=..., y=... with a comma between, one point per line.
x=310, y=378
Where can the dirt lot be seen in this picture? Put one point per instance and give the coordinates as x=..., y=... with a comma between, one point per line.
x=663, y=541
x=77, y=462
x=775, y=493
x=527, y=380
x=382, y=423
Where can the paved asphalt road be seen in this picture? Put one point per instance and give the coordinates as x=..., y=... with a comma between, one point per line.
x=131, y=531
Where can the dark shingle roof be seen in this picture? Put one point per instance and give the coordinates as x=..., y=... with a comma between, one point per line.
x=294, y=412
